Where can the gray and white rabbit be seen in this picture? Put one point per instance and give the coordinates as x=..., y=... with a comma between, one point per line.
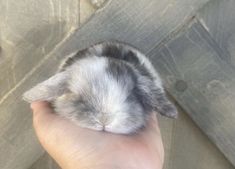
x=109, y=86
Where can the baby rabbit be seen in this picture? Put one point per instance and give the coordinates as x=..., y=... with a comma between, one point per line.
x=110, y=86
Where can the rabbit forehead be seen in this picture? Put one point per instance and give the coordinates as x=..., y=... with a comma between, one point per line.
x=89, y=64
x=92, y=78
x=99, y=72
x=84, y=72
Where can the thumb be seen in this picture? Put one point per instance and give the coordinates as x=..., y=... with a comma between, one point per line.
x=43, y=121
x=55, y=133
x=43, y=117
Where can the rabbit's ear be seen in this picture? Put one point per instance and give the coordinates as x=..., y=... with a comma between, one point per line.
x=165, y=107
x=49, y=89
x=153, y=97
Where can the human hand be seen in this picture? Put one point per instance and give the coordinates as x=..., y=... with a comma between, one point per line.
x=74, y=147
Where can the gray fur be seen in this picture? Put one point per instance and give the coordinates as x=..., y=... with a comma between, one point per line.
x=110, y=86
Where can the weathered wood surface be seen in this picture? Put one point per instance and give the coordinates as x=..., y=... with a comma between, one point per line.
x=45, y=162
x=199, y=71
x=218, y=19
x=187, y=147
x=144, y=24
x=29, y=31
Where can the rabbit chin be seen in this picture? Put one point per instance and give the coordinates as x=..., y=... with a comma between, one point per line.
x=112, y=128
x=126, y=130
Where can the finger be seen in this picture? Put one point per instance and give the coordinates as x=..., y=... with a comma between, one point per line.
x=42, y=114
x=60, y=137
x=152, y=125
x=43, y=118
x=39, y=104
x=46, y=125
x=154, y=136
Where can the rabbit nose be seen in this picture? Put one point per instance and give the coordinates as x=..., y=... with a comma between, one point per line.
x=103, y=119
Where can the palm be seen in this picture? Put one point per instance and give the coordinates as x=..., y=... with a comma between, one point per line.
x=72, y=146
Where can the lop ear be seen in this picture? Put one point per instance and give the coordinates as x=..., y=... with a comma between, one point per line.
x=153, y=98
x=49, y=89
x=165, y=107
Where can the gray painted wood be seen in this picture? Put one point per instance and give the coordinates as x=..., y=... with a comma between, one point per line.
x=187, y=147
x=30, y=30
x=45, y=162
x=218, y=18
x=143, y=24
x=201, y=78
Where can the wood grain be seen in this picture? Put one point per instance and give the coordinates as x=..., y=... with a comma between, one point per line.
x=29, y=31
x=197, y=74
x=186, y=146
x=143, y=24
x=45, y=162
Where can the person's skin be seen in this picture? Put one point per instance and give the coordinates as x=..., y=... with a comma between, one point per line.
x=73, y=147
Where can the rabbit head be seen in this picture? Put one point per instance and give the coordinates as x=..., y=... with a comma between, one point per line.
x=104, y=93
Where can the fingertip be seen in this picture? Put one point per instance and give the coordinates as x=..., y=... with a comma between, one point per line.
x=152, y=122
x=41, y=108
x=153, y=118
x=39, y=104
x=42, y=116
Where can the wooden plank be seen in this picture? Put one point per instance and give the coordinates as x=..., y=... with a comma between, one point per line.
x=186, y=146
x=86, y=10
x=143, y=24
x=218, y=18
x=202, y=81
x=16, y=157
x=29, y=31
x=16, y=123
x=45, y=162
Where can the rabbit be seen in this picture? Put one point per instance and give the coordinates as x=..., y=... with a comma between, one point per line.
x=110, y=86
